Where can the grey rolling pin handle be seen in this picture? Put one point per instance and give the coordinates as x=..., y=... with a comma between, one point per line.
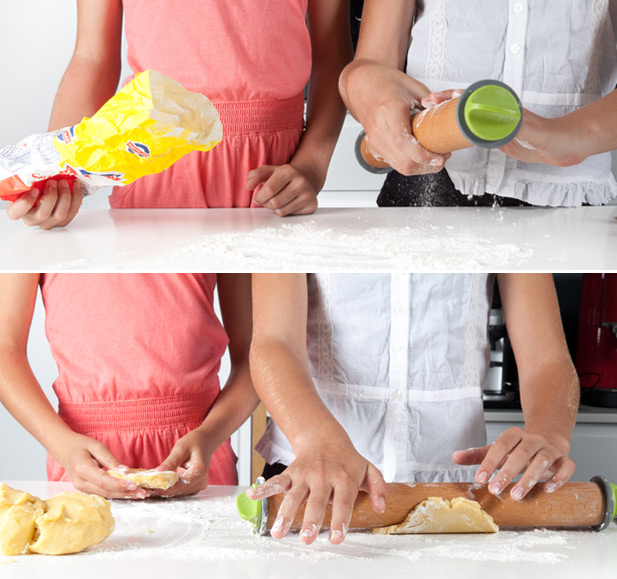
x=609, y=501
x=361, y=160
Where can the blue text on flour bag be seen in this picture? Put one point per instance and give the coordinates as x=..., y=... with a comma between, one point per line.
x=138, y=149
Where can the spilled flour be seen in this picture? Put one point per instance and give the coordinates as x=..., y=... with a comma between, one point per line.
x=309, y=246
x=209, y=530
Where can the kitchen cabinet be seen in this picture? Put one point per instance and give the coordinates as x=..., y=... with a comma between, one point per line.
x=593, y=445
x=203, y=536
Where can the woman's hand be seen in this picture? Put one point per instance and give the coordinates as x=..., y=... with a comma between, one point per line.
x=286, y=190
x=190, y=458
x=56, y=207
x=517, y=451
x=550, y=141
x=85, y=460
x=382, y=99
x=316, y=478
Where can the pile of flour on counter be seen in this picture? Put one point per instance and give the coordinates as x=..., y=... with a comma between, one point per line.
x=307, y=246
x=210, y=530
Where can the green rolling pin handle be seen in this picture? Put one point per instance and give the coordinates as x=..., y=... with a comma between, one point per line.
x=489, y=113
x=255, y=512
x=610, y=500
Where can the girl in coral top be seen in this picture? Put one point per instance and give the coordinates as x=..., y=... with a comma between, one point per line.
x=138, y=358
x=253, y=60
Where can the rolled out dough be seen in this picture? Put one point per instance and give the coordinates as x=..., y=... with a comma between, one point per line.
x=437, y=515
x=148, y=479
x=66, y=523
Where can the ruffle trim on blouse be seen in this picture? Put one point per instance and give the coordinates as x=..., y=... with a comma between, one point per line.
x=542, y=193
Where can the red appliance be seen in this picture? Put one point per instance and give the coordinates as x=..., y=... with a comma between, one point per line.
x=596, y=352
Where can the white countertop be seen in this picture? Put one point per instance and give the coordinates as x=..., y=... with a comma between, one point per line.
x=355, y=239
x=202, y=536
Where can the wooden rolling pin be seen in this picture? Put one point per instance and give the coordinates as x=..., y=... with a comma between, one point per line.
x=575, y=505
x=488, y=114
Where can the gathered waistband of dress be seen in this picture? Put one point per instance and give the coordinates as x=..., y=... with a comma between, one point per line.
x=138, y=414
x=250, y=117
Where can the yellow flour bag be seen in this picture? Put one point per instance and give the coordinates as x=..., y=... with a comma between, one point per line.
x=143, y=129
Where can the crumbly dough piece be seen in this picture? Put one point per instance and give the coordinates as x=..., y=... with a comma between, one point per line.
x=148, y=479
x=66, y=523
x=437, y=515
x=73, y=522
x=18, y=511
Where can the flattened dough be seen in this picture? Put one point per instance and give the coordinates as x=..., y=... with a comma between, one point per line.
x=437, y=515
x=148, y=479
x=66, y=523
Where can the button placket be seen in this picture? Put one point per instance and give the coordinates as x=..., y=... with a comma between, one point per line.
x=513, y=71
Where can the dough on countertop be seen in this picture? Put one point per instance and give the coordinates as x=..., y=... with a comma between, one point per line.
x=73, y=522
x=437, y=515
x=66, y=523
x=148, y=479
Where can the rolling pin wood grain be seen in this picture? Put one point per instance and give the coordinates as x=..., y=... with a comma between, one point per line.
x=575, y=505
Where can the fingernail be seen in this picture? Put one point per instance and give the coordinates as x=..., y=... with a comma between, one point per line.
x=494, y=488
x=337, y=535
x=457, y=93
x=517, y=493
x=130, y=486
x=279, y=526
x=482, y=476
x=381, y=505
x=435, y=162
x=33, y=193
x=309, y=533
x=551, y=487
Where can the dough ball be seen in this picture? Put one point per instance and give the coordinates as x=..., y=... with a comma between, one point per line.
x=73, y=522
x=66, y=523
x=148, y=479
x=437, y=515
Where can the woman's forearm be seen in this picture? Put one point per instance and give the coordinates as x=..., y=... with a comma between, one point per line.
x=597, y=124
x=283, y=382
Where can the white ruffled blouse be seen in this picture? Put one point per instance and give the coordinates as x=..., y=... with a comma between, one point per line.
x=400, y=360
x=557, y=55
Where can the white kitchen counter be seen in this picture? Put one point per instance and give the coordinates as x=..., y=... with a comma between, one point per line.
x=368, y=239
x=202, y=536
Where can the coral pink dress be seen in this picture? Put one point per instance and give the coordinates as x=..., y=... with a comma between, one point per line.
x=138, y=357
x=253, y=60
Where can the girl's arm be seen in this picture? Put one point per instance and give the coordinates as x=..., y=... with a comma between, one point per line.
x=293, y=188
x=90, y=79
x=379, y=94
x=549, y=391
x=327, y=466
x=236, y=401
x=24, y=398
